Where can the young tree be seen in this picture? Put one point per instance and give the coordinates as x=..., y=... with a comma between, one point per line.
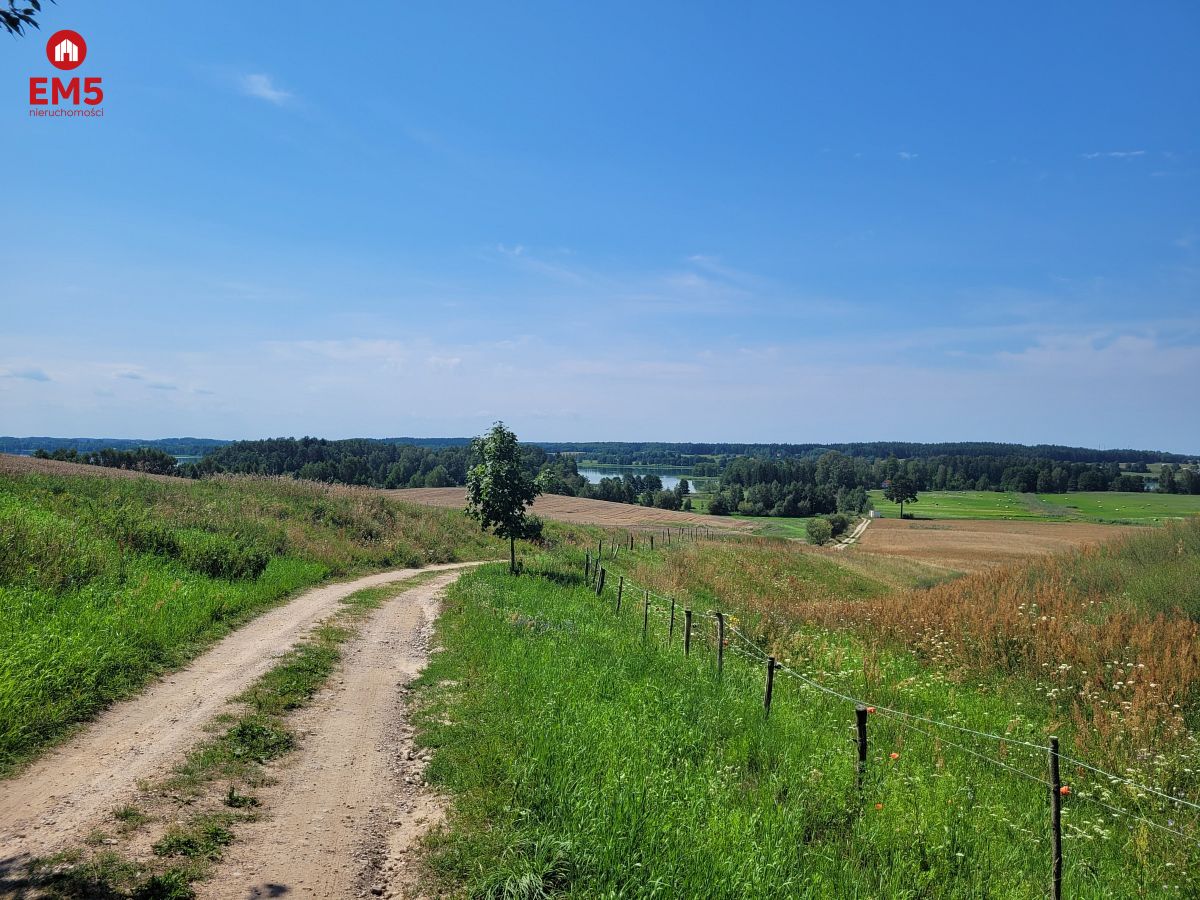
x=901, y=490
x=499, y=490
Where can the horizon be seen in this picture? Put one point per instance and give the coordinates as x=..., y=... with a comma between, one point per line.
x=769, y=222
x=468, y=438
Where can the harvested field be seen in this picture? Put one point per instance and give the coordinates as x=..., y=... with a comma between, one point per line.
x=971, y=545
x=582, y=511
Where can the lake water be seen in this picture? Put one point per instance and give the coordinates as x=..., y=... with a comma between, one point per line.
x=670, y=477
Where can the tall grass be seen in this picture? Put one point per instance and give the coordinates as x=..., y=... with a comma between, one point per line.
x=585, y=762
x=104, y=582
x=1109, y=636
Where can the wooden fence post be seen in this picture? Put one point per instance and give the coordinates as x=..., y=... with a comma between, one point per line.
x=671, y=632
x=860, y=717
x=631, y=541
x=646, y=615
x=620, y=592
x=1055, y=821
x=587, y=565
x=770, y=686
x=600, y=582
x=687, y=632
x=720, y=644
x=600, y=550
x=651, y=543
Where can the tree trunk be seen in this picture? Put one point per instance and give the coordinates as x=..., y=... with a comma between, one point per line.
x=512, y=555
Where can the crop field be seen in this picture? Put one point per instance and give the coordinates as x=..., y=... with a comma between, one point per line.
x=106, y=581
x=1084, y=506
x=967, y=545
x=583, y=511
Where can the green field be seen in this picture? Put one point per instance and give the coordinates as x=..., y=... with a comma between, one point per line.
x=105, y=582
x=1094, y=506
x=584, y=761
x=778, y=526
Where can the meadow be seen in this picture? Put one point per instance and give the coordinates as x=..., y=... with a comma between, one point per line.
x=1084, y=506
x=584, y=760
x=105, y=582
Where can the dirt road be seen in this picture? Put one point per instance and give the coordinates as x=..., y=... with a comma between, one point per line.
x=53, y=803
x=347, y=807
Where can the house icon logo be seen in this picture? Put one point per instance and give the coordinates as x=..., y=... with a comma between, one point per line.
x=66, y=49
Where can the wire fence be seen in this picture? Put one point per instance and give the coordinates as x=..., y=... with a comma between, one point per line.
x=746, y=648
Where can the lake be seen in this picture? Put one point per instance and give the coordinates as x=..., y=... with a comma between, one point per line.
x=670, y=477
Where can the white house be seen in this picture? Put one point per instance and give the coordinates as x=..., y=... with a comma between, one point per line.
x=66, y=51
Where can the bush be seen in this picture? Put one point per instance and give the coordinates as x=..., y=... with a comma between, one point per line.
x=838, y=523
x=218, y=556
x=819, y=531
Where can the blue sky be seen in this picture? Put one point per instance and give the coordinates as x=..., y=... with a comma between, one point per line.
x=660, y=221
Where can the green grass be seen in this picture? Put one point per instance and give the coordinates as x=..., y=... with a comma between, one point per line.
x=585, y=762
x=106, y=582
x=1141, y=509
x=1094, y=506
x=779, y=526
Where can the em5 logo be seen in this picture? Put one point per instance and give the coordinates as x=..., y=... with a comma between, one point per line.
x=66, y=50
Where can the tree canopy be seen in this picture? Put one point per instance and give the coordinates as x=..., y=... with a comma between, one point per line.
x=500, y=490
x=15, y=19
x=900, y=490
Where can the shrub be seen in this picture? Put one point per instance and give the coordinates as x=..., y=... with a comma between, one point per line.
x=819, y=531
x=219, y=556
x=839, y=523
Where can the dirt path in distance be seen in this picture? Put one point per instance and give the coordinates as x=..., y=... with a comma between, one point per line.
x=348, y=806
x=59, y=798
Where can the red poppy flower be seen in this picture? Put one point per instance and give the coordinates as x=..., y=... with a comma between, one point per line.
x=1065, y=789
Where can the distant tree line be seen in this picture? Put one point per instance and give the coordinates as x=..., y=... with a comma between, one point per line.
x=359, y=461
x=716, y=454
x=142, y=459
x=836, y=483
x=1178, y=480
x=183, y=446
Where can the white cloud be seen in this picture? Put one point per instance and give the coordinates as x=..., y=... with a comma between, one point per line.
x=1114, y=154
x=264, y=88
x=905, y=155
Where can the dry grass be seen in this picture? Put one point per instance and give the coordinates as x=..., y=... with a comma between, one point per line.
x=974, y=545
x=1109, y=634
x=583, y=511
x=18, y=465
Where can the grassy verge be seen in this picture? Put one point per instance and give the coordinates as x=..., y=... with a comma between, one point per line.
x=584, y=761
x=212, y=791
x=107, y=582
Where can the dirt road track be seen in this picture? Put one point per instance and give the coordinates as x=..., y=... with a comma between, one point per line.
x=348, y=805
x=54, y=802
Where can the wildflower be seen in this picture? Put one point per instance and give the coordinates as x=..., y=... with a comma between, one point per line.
x=1065, y=789
x=895, y=755
x=870, y=709
x=879, y=806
